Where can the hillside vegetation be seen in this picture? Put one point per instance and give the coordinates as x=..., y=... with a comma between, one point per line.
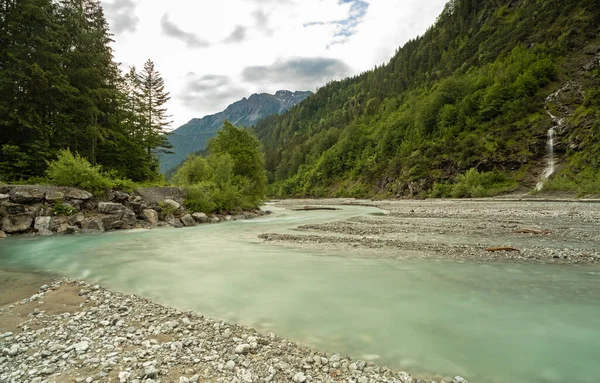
x=459, y=111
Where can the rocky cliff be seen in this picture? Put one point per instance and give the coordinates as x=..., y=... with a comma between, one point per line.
x=47, y=210
x=193, y=136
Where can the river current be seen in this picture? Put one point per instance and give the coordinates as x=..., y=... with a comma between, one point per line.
x=495, y=322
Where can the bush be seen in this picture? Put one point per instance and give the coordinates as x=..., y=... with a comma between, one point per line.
x=474, y=184
x=60, y=208
x=73, y=170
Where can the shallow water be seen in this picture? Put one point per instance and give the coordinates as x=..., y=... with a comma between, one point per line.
x=497, y=322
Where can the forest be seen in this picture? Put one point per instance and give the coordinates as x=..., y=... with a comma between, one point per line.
x=459, y=111
x=61, y=89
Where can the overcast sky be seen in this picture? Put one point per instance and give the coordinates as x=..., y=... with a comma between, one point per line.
x=212, y=53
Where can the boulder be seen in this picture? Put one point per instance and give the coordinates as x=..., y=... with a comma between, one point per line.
x=150, y=216
x=121, y=196
x=21, y=196
x=215, y=220
x=67, y=229
x=54, y=196
x=93, y=225
x=175, y=222
x=17, y=223
x=112, y=222
x=3, y=234
x=13, y=208
x=4, y=197
x=78, y=194
x=188, y=220
x=172, y=205
x=200, y=217
x=44, y=225
x=112, y=208
x=77, y=219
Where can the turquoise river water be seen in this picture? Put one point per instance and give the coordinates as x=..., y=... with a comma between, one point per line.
x=496, y=322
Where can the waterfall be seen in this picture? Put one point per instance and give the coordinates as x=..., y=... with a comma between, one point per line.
x=558, y=122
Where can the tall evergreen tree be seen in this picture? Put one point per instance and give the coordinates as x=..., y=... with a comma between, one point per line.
x=155, y=118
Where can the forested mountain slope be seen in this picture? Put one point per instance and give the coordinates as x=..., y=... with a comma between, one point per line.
x=461, y=110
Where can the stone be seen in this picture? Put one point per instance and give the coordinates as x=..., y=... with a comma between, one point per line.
x=200, y=217
x=13, y=208
x=124, y=376
x=112, y=222
x=334, y=358
x=81, y=347
x=360, y=365
x=175, y=222
x=188, y=220
x=299, y=378
x=228, y=218
x=172, y=205
x=3, y=234
x=121, y=196
x=112, y=208
x=151, y=216
x=215, y=220
x=150, y=372
x=4, y=197
x=230, y=365
x=77, y=219
x=227, y=333
x=404, y=377
x=54, y=196
x=83, y=195
x=459, y=379
x=242, y=349
x=44, y=225
x=16, y=224
x=93, y=225
x=20, y=196
x=363, y=379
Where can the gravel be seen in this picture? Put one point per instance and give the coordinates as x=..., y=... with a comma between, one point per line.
x=104, y=336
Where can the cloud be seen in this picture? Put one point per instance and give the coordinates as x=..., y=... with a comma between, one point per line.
x=238, y=35
x=210, y=91
x=172, y=30
x=122, y=16
x=345, y=28
x=298, y=70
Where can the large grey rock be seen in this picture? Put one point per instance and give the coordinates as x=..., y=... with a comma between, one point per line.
x=54, y=196
x=200, y=217
x=13, y=208
x=188, y=220
x=78, y=194
x=3, y=234
x=172, y=205
x=121, y=196
x=112, y=208
x=93, y=225
x=21, y=196
x=151, y=216
x=77, y=219
x=112, y=222
x=44, y=225
x=4, y=197
x=17, y=223
x=175, y=222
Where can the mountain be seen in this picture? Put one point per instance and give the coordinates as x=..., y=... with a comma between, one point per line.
x=193, y=136
x=496, y=96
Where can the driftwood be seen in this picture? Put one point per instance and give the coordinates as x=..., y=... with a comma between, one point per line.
x=310, y=208
x=532, y=231
x=494, y=249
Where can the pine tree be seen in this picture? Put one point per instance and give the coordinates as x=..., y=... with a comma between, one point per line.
x=155, y=118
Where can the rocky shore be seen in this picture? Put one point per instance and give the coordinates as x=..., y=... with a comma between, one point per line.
x=47, y=210
x=475, y=230
x=70, y=331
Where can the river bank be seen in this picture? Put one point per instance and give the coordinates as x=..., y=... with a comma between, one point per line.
x=476, y=230
x=70, y=331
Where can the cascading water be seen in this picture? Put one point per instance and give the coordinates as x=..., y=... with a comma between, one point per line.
x=558, y=123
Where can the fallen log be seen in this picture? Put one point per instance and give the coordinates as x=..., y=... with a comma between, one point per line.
x=494, y=249
x=532, y=231
x=310, y=208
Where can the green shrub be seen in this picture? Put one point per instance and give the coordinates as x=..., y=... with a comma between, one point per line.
x=583, y=182
x=73, y=170
x=474, y=184
x=60, y=208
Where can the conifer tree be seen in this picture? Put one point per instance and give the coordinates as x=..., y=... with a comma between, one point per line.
x=155, y=118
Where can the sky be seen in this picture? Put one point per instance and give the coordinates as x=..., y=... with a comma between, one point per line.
x=213, y=53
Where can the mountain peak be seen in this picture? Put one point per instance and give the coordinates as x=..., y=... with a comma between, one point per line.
x=193, y=136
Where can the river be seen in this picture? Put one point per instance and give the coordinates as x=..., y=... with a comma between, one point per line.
x=488, y=322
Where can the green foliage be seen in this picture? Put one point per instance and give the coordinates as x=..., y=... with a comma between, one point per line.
x=73, y=170
x=467, y=94
x=583, y=182
x=62, y=209
x=474, y=184
x=166, y=209
x=230, y=178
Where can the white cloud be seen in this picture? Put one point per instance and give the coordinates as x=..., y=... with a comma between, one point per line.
x=234, y=48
